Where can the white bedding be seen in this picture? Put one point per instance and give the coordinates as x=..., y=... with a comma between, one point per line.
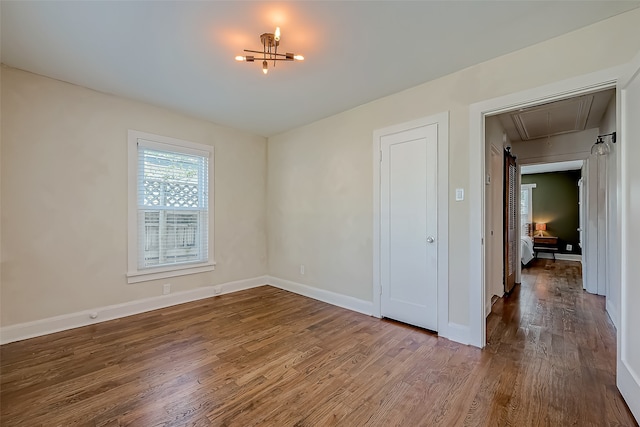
x=527, y=249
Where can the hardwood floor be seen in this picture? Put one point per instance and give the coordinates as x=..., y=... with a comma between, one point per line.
x=268, y=357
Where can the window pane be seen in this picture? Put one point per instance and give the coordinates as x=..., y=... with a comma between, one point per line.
x=172, y=180
x=172, y=201
x=171, y=237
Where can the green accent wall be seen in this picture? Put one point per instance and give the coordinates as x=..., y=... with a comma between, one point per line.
x=555, y=202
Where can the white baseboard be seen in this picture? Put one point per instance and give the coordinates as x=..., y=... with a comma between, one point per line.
x=344, y=301
x=64, y=322
x=569, y=257
x=629, y=384
x=455, y=332
x=450, y=331
x=562, y=257
x=612, y=311
x=21, y=331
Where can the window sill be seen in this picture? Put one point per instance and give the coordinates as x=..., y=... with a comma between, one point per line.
x=155, y=274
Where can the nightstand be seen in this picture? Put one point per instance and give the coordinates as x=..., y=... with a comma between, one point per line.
x=545, y=244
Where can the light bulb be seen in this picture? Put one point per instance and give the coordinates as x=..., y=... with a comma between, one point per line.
x=298, y=57
x=265, y=68
x=240, y=58
x=276, y=36
x=600, y=148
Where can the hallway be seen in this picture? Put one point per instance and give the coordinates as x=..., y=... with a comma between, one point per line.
x=553, y=354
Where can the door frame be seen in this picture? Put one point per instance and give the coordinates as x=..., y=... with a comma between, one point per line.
x=627, y=376
x=600, y=80
x=442, y=122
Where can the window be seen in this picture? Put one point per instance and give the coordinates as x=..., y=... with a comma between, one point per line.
x=526, y=210
x=169, y=207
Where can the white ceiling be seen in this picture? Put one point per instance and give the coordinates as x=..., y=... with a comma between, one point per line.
x=180, y=54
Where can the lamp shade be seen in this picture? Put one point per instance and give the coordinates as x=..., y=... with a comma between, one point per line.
x=541, y=226
x=600, y=148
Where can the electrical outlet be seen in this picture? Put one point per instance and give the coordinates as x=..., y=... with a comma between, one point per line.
x=569, y=247
x=217, y=290
x=302, y=269
x=166, y=289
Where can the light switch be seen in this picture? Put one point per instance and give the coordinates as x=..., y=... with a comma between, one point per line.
x=459, y=194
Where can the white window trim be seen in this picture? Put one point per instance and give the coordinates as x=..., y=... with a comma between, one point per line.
x=134, y=274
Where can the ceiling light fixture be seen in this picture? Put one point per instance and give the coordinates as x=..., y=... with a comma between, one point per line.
x=270, y=43
x=602, y=148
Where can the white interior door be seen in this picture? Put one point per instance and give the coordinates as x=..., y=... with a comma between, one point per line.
x=408, y=226
x=628, y=367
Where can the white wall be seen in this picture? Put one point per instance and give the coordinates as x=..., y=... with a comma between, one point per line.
x=320, y=175
x=64, y=197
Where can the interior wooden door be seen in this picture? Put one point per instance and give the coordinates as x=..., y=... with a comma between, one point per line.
x=408, y=225
x=510, y=219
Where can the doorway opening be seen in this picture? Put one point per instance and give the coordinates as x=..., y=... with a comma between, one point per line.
x=621, y=249
x=479, y=112
x=552, y=144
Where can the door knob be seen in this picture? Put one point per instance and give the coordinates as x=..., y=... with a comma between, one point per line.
x=430, y=239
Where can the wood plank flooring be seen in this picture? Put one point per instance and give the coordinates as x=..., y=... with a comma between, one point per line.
x=268, y=357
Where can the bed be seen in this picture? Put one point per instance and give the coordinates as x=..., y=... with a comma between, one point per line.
x=526, y=244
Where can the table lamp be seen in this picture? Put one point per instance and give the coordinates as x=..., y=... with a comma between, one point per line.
x=541, y=226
